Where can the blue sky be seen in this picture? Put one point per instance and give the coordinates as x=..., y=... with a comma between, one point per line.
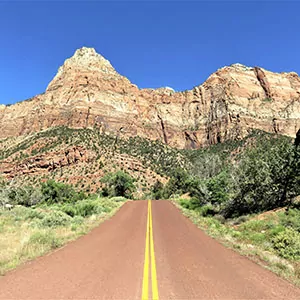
x=153, y=43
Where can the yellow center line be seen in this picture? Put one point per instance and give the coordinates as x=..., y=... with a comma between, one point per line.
x=149, y=244
x=145, y=291
x=153, y=264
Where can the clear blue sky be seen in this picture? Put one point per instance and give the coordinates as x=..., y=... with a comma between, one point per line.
x=154, y=43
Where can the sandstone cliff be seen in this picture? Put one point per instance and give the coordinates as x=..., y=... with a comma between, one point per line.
x=88, y=92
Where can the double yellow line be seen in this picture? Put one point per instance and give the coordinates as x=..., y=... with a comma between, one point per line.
x=149, y=259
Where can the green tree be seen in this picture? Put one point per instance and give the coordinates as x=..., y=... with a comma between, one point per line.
x=177, y=184
x=266, y=177
x=157, y=190
x=218, y=188
x=57, y=192
x=119, y=184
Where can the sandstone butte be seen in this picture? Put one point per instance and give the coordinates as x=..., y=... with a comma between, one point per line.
x=88, y=92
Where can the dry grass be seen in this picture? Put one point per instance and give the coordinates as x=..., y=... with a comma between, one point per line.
x=21, y=241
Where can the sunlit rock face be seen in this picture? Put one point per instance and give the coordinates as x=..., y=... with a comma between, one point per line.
x=88, y=92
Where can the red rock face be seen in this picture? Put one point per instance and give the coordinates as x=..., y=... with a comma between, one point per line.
x=88, y=92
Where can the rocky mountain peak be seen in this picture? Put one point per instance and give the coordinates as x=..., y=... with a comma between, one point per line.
x=85, y=60
x=86, y=51
x=88, y=58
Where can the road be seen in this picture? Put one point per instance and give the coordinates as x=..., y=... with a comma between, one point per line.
x=148, y=250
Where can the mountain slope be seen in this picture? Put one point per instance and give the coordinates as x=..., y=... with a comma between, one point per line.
x=83, y=156
x=88, y=92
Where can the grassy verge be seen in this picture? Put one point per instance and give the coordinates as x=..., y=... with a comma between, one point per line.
x=29, y=232
x=271, y=239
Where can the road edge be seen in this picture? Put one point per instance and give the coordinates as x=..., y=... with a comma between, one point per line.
x=97, y=222
x=255, y=254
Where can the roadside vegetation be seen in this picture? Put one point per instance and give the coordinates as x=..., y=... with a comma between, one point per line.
x=259, y=173
x=118, y=184
x=272, y=239
x=245, y=194
x=34, y=221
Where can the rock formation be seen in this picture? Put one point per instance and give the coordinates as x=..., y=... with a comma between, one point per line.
x=88, y=92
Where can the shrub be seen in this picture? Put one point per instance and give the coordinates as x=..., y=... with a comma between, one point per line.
x=26, y=196
x=266, y=177
x=118, y=184
x=55, y=219
x=193, y=203
x=21, y=213
x=56, y=192
x=177, y=183
x=69, y=210
x=35, y=214
x=207, y=210
x=86, y=209
x=157, y=190
x=287, y=244
x=218, y=188
x=291, y=219
x=77, y=220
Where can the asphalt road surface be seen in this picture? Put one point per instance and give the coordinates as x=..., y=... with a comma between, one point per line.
x=148, y=250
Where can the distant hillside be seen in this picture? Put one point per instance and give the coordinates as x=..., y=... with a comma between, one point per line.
x=83, y=156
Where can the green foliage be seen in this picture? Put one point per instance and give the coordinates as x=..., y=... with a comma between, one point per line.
x=56, y=192
x=218, y=188
x=207, y=210
x=157, y=190
x=192, y=203
x=86, y=209
x=291, y=219
x=28, y=232
x=287, y=244
x=195, y=188
x=180, y=183
x=118, y=184
x=55, y=219
x=263, y=174
x=26, y=196
x=266, y=177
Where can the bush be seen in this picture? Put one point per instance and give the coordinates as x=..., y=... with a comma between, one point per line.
x=56, y=192
x=176, y=184
x=21, y=213
x=157, y=190
x=287, y=244
x=68, y=209
x=266, y=177
x=218, y=188
x=86, y=209
x=118, y=184
x=192, y=203
x=35, y=214
x=55, y=219
x=26, y=196
x=291, y=219
x=207, y=210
